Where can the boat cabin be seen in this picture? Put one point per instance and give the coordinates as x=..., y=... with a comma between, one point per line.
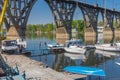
x=76, y=42
x=9, y=45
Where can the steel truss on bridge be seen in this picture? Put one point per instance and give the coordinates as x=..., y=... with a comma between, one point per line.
x=18, y=12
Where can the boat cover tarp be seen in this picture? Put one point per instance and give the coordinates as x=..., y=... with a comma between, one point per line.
x=85, y=70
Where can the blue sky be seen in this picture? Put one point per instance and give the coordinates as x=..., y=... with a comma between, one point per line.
x=41, y=13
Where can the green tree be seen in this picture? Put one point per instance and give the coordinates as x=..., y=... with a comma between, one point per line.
x=79, y=24
x=49, y=28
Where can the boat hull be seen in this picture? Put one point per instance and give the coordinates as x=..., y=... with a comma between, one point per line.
x=77, y=50
x=108, y=47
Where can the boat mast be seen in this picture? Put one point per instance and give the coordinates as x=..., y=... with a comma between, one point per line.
x=104, y=12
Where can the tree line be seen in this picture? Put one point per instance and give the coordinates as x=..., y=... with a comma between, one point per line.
x=50, y=27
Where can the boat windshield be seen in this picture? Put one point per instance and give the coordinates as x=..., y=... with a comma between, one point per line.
x=74, y=42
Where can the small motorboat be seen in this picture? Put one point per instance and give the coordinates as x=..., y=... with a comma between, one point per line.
x=75, y=49
x=115, y=47
x=9, y=46
x=75, y=46
x=15, y=45
x=56, y=47
x=85, y=70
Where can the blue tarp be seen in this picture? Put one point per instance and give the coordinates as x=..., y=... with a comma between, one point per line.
x=85, y=70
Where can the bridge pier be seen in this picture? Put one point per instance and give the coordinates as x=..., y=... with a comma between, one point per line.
x=14, y=33
x=61, y=35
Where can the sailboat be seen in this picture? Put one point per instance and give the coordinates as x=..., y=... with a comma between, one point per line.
x=114, y=47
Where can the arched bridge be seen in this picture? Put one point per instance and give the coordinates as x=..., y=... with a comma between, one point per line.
x=18, y=12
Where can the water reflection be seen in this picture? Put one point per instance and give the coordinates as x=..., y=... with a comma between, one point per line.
x=75, y=56
x=102, y=37
x=107, y=53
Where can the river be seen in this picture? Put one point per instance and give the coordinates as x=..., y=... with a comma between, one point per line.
x=57, y=61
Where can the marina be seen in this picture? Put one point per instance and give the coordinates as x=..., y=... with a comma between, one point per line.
x=59, y=40
x=101, y=59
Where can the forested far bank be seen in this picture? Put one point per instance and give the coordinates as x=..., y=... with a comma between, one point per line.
x=50, y=27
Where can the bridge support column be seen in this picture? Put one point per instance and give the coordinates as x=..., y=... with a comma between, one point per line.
x=63, y=15
x=90, y=15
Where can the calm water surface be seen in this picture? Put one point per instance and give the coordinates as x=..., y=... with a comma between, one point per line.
x=57, y=61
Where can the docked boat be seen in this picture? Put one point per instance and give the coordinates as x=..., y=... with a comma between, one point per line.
x=75, y=46
x=75, y=49
x=13, y=45
x=9, y=46
x=56, y=47
x=115, y=47
x=85, y=70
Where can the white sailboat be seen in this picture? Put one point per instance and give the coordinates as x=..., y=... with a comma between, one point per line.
x=115, y=47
